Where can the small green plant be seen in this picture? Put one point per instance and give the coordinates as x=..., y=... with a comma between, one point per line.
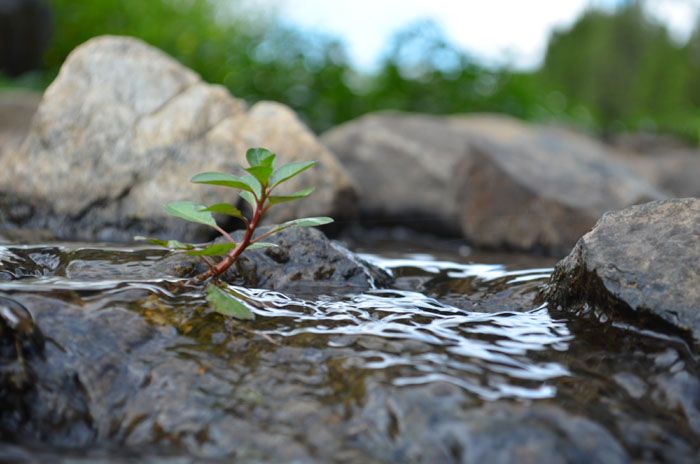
x=256, y=188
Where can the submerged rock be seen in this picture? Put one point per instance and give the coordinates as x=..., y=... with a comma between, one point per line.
x=118, y=374
x=503, y=183
x=493, y=433
x=123, y=128
x=643, y=260
x=130, y=371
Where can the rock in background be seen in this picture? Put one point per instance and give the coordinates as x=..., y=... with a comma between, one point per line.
x=404, y=167
x=674, y=170
x=503, y=183
x=122, y=129
x=538, y=188
x=16, y=112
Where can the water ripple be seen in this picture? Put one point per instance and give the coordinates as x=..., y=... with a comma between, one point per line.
x=487, y=354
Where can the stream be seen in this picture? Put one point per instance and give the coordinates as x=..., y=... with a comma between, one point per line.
x=455, y=363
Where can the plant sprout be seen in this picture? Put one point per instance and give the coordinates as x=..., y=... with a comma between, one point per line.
x=256, y=188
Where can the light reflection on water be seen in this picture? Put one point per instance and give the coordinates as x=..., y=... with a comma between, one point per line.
x=486, y=354
x=412, y=338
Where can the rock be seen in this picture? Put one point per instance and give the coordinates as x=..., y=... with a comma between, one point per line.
x=21, y=342
x=131, y=372
x=304, y=261
x=494, y=433
x=138, y=374
x=122, y=129
x=503, y=183
x=676, y=171
x=538, y=188
x=642, y=261
x=404, y=168
x=648, y=143
x=16, y=112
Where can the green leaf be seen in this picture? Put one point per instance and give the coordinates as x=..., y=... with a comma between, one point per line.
x=225, y=208
x=222, y=179
x=217, y=249
x=288, y=171
x=304, y=222
x=261, y=173
x=171, y=244
x=259, y=245
x=225, y=303
x=260, y=157
x=308, y=222
x=190, y=211
x=277, y=199
x=249, y=198
x=254, y=184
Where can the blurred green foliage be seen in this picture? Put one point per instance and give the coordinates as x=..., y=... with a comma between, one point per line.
x=609, y=72
x=627, y=71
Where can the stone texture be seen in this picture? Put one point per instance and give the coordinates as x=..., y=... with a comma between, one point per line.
x=499, y=432
x=123, y=128
x=304, y=261
x=675, y=171
x=644, y=259
x=16, y=112
x=403, y=165
x=503, y=183
x=538, y=188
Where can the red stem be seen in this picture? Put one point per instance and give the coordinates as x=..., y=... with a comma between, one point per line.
x=233, y=255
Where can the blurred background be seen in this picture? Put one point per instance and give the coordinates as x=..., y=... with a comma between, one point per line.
x=608, y=66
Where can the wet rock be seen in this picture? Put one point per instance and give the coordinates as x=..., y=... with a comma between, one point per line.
x=21, y=341
x=140, y=373
x=501, y=182
x=122, y=129
x=305, y=261
x=113, y=377
x=643, y=261
x=494, y=433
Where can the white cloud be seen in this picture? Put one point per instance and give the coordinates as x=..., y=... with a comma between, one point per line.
x=680, y=15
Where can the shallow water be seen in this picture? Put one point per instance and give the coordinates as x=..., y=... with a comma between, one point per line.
x=467, y=325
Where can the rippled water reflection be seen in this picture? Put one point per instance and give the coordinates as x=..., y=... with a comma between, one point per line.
x=486, y=354
x=451, y=337
x=489, y=355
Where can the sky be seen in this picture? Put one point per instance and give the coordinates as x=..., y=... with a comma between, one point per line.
x=511, y=32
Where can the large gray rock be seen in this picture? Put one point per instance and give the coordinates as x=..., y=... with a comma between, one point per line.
x=538, y=188
x=675, y=171
x=404, y=167
x=504, y=183
x=16, y=112
x=123, y=128
x=642, y=261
